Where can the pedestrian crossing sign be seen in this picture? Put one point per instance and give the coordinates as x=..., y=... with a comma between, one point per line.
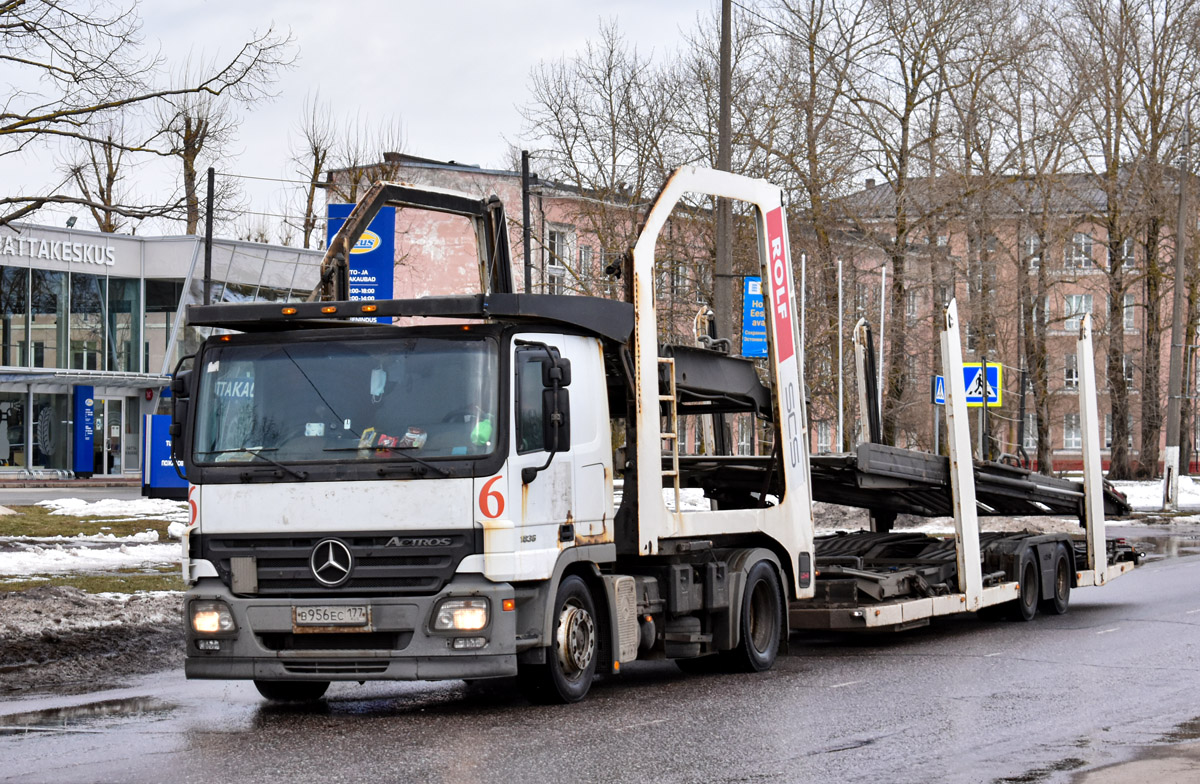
x=977, y=389
x=937, y=391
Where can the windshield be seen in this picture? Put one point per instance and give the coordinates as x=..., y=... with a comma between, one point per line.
x=408, y=399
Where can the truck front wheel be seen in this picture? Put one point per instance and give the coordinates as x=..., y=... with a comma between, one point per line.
x=292, y=691
x=571, y=659
x=762, y=621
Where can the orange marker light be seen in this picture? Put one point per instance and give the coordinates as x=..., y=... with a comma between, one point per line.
x=289, y=311
x=369, y=308
x=224, y=338
x=508, y=605
x=329, y=309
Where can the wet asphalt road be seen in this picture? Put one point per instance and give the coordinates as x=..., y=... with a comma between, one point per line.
x=962, y=701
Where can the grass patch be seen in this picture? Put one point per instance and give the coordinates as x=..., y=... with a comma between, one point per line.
x=38, y=521
x=124, y=581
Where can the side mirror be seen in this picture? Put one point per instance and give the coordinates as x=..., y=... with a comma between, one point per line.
x=181, y=385
x=556, y=419
x=556, y=372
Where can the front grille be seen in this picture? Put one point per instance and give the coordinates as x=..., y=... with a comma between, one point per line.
x=336, y=667
x=379, y=569
x=361, y=641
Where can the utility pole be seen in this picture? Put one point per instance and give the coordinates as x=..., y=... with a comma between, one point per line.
x=723, y=274
x=1175, y=382
x=525, y=233
x=208, y=236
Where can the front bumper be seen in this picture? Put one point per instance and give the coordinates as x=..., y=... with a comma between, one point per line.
x=397, y=645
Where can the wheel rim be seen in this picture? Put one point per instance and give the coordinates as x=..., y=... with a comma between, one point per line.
x=1061, y=583
x=576, y=639
x=761, y=622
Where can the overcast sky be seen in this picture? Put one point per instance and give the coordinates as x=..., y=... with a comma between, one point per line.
x=454, y=73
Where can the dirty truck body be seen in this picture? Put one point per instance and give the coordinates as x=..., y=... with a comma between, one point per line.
x=434, y=498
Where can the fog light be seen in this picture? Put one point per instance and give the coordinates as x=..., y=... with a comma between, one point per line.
x=469, y=643
x=212, y=618
x=208, y=645
x=462, y=614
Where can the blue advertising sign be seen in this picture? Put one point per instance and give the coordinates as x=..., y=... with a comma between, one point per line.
x=754, y=319
x=373, y=258
x=84, y=404
x=159, y=478
x=977, y=390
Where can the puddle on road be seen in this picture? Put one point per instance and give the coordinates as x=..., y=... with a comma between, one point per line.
x=65, y=717
x=1161, y=542
x=1043, y=773
x=1183, y=732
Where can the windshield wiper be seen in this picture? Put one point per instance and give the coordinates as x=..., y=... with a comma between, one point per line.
x=259, y=454
x=377, y=448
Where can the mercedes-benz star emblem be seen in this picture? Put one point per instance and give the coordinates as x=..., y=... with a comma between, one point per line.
x=331, y=562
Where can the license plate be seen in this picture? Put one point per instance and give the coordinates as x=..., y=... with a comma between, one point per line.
x=331, y=615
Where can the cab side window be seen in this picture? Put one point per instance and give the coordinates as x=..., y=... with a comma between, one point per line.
x=529, y=401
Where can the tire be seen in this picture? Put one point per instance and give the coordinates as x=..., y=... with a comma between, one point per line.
x=761, y=625
x=292, y=691
x=571, y=658
x=1061, y=600
x=1030, y=590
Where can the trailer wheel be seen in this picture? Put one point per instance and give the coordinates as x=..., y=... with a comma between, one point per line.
x=571, y=660
x=1029, y=592
x=292, y=691
x=761, y=625
x=1058, y=603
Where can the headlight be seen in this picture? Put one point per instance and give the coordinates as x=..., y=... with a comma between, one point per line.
x=212, y=618
x=461, y=614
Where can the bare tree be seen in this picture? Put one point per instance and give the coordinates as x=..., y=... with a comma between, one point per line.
x=310, y=155
x=1165, y=63
x=894, y=91
x=75, y=65
x=99, y=168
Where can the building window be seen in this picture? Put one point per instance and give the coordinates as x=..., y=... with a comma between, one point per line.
x=1031, y=440
x=14, y=335
x=1108, y=431
x=942, y=295
x=1033, y=251
x=1072, y=435
x=556, y=279
x=1128, y=255
x=585, y=259
x=1127, y=369
x=1078, y=253
x=679, y=280
x=48, y=308
x=971, y=340
x=1127, y=313
x=824, y=436
x=558, y=246
x=1074, y=306
x=1070, y=371
x=911, y=303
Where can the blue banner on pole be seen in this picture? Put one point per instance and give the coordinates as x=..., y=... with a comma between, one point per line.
x=754, y=319
x=159, y=477
x=373, y=258
x=84, y=462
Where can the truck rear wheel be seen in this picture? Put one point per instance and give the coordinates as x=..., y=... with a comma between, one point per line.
x=1061, y=600
x=571, y=659
x=762, y=621
x=1029, y=589
x=292, y=691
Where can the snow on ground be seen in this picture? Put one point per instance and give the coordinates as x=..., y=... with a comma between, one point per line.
x=58, y=558
x=1147, y=496
x=100, y=552
x=121, y=509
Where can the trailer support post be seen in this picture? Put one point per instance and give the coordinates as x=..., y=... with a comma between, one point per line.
x=962, y=470
x=1093, y=481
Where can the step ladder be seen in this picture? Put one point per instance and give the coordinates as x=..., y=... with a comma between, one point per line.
x=672, y=432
